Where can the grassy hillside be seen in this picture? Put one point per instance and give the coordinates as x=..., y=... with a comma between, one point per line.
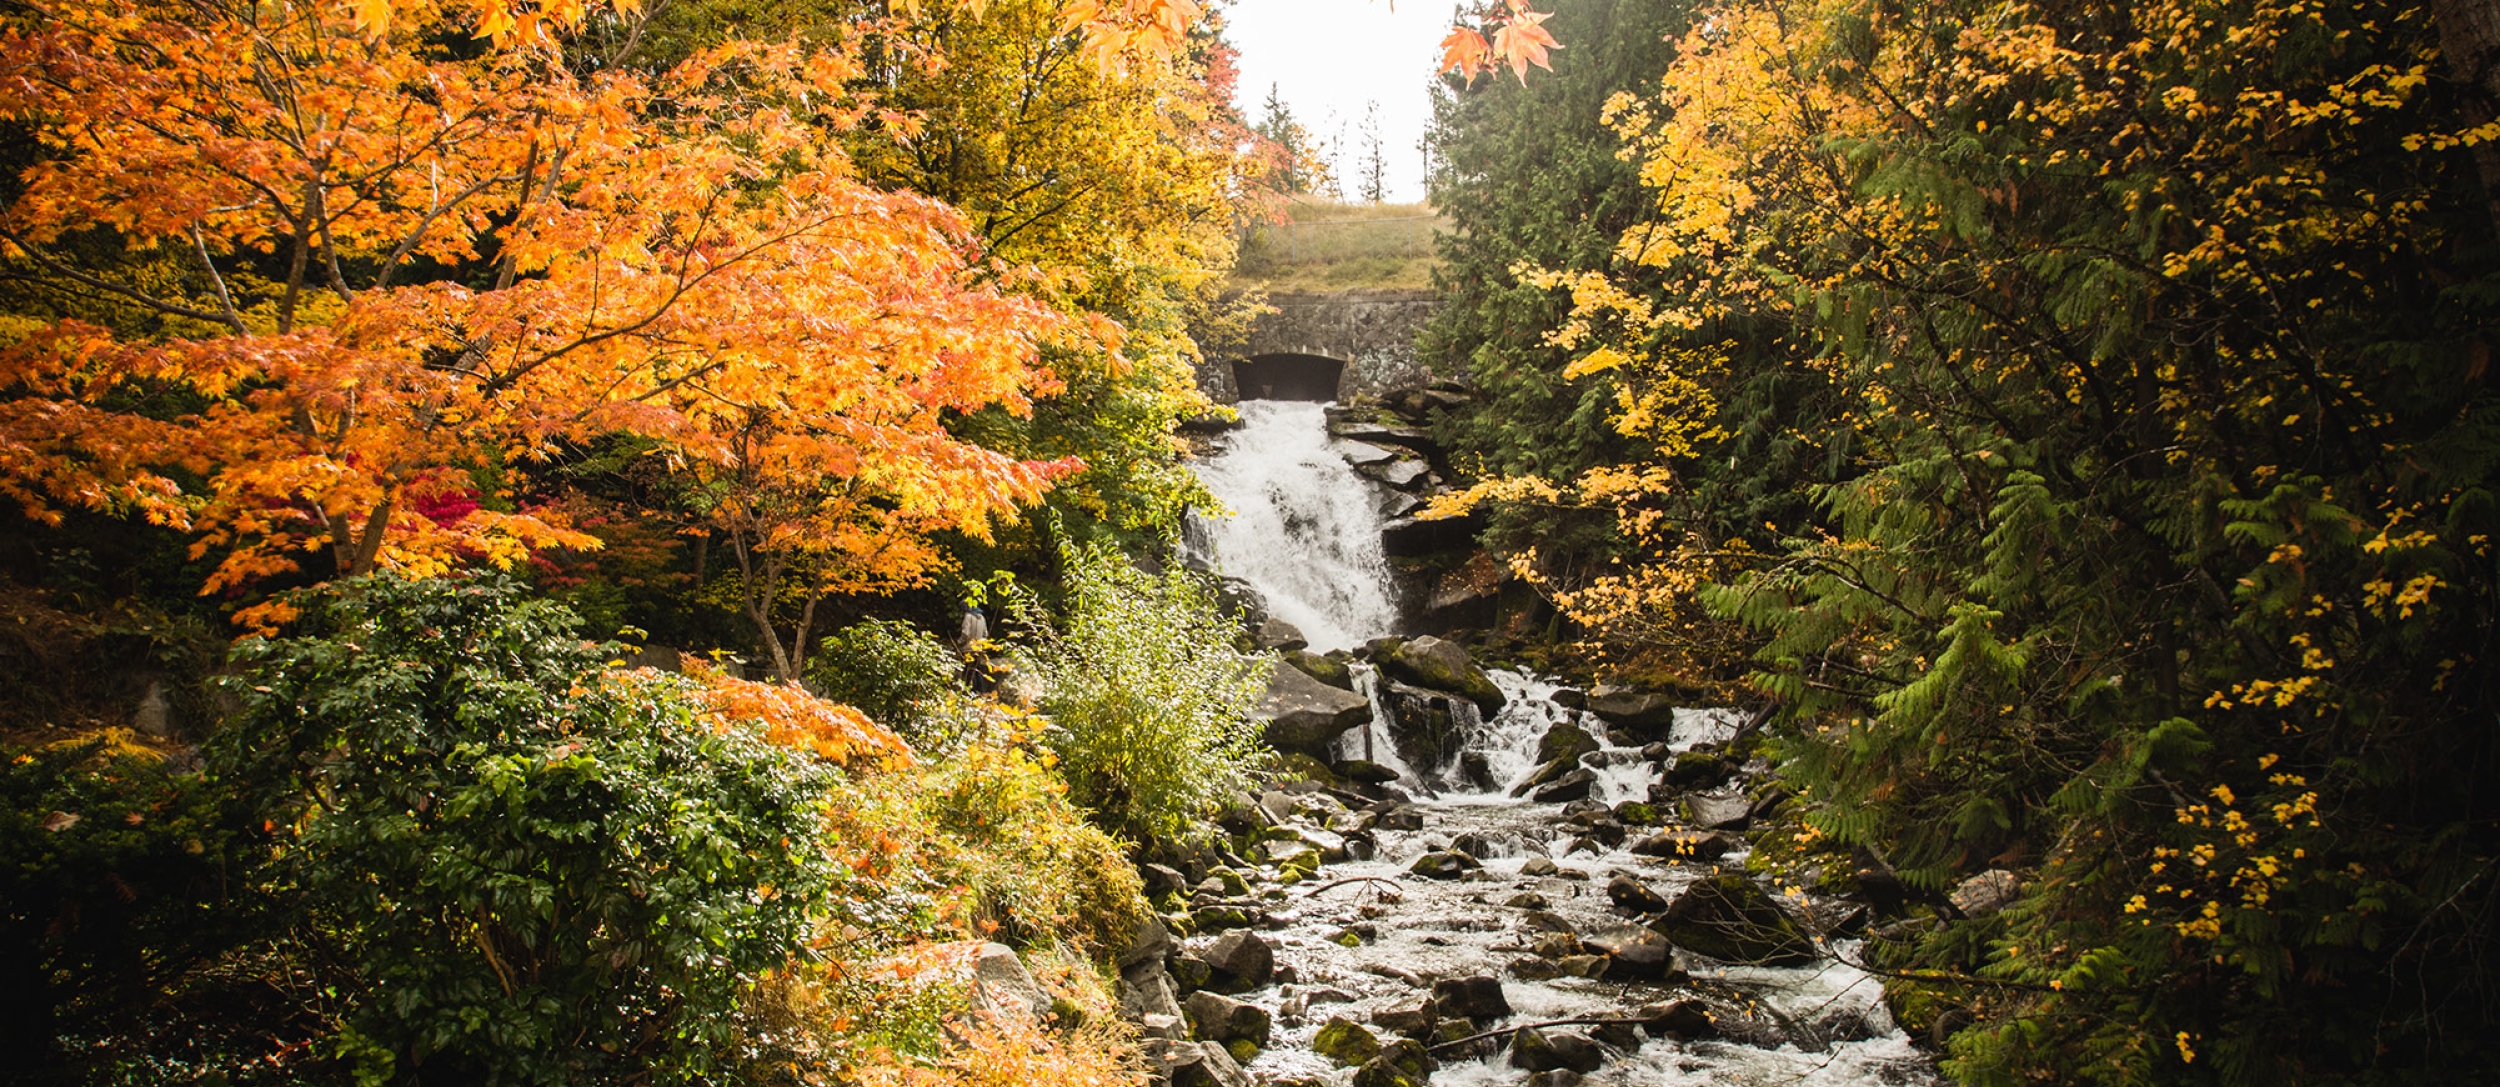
x=1325, y=246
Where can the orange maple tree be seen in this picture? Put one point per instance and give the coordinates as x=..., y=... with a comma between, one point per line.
x=357, y=267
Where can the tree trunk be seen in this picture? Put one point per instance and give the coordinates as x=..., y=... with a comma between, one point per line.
x=2469, y=33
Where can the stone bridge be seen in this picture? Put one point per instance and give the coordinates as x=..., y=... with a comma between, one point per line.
x=1322, y=347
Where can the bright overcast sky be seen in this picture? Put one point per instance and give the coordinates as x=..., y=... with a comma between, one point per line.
x=1328, y=58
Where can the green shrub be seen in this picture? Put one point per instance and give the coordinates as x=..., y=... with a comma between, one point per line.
x=892, y=671
x=524, y=869
x=1148, y=700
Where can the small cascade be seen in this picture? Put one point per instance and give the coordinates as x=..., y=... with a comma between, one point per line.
x=1304, y=529
x=1372, y=742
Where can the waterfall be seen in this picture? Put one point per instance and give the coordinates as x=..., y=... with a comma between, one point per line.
x=1304, y=529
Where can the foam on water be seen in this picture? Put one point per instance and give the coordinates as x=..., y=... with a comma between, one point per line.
x=1304, y=527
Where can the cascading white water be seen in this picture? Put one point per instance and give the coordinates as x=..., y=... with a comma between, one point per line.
x=1304, y=527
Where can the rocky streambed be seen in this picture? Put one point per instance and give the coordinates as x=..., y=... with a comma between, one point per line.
x=1598, y=927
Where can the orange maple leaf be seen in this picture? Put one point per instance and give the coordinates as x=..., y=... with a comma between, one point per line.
x=1522, y=42
x=1465, y=52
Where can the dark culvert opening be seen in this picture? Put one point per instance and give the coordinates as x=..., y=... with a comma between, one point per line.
x=1287, y=377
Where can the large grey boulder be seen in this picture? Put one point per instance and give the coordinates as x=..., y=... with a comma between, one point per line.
x=1275, y=633
x=1242, y=959
x=1002, y=986
x=1538, y=1050
x=1442, y=666
x=1305, y=715
x=1218, y=1018
x=1326, y=669
x=1633, y=708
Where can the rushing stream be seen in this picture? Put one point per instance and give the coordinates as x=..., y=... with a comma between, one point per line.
x=1367, y=936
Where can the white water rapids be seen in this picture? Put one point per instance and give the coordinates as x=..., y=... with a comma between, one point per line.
x=1306, y=533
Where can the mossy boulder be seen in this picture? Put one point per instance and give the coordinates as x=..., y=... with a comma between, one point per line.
x=1346, y=1042
x=1728, y=918
x=1328, y=670
x=1440, y=665
x=1565, y=741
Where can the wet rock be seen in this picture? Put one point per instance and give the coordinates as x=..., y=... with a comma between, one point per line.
x=1678, y=1018
x=1683, y=845
x=1295, y=853
x=1440, y=665
x=1526, y=900
x=1369, y=773
x=1535, y=969
x=1560, y=1077
x=1306, y=716
x=1217, y=1018
x=1639, y=813
x=1570, y=698
x=1623, y=1036
x=1402, y=817
x=1555, y=945
x=1328, y=670
x=1476, y=845
x=1539, y=1050
x=1443, y=864
x=1544, y=774
x=1402, y=1063
x=1413, y=1020
x=1634, y=953
x=1404, y=473
x=1218, y=918
x=1541, y=921
x=1634, y=895
x=1565, y=741
x=1698, y=769
x=1717, y=811
x=1582, y=966
x=1475, y=769
x=1346, y=1042
x=1241, y=960
x=1475, y=998
x=1428, y=735
x=1575, y=785
x=1728, y=918
x=1537, y=866
x=1275, y=633
x=1331, y=845
x=1987, y=892
x=1647, y=711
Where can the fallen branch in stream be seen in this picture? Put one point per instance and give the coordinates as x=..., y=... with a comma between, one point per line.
x=1584, y=1021
x=1316, y=891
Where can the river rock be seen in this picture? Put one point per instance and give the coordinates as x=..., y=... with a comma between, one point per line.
x=1305, y=715
x=1539, y=1050
x=1241, y=959
x=1634, y=953
x=1150, y=943
x=1527, y=900
x=1554, y=945
x=1441, y=666
x=1537, y=866
x=1203, y=1064
x=1217, y=1018
x=1346, y=1042
x=1544, y=774
x=1146, y=990
x=1328, y=670
x=1295, y=853
x=1403, y=473
x=1683, y=845
x=1368, y=773
x=1559, y=1077
x=1413, y=1020
x=1634, y=895
x=1644, y=711
x=1685, y=1018
x=1718, y=811
x=1189, y=972
x=1161, y=880
x=1565, y=741
x=1728, y=918
x=1475, y=998
x=1575, y=785
x=1420, y=721
x=1275, y=633
x=1640, y=813
x=1698, y=769
x=1987, y=892
x=1443, y=864
x=1476, y=845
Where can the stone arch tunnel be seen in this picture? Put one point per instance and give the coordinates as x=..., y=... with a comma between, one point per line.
x=1288, y=376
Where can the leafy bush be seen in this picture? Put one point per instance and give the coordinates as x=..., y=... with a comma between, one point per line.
x=1031, y=864
x=892, y=671
x=530, y=870
x=1148, y=700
